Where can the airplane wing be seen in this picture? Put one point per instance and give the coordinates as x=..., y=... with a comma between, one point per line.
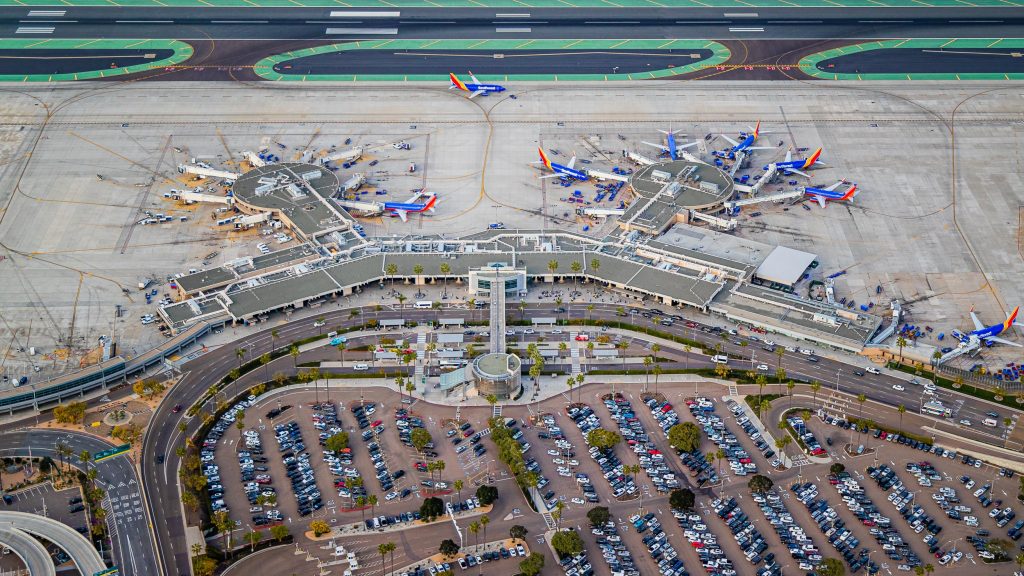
x=473, y=78
x=572, y=162
x=834, y=186
x=789, y=155
x=555, y=175
x=658, y=146
x=682, y=147
x=977, y=322
x=795, y=171
x=475, y=94
x=402, y=214
x=820, y=199
x=760, y=148
x=730, y=140
x=1001, y=341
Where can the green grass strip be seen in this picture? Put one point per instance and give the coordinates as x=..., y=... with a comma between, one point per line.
x=809, y=64
x=265, y=67
x=182, y=52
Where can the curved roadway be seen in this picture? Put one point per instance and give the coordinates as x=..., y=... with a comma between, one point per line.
x=133, y=547
x=199, y=374
x=31, y=552
x=81, y=551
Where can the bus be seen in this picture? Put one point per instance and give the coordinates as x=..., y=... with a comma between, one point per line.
x=424, y=304
x=935, y=408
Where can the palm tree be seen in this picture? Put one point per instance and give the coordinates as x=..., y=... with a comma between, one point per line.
x=474, y=529
x=815, y=386
x=372, y=501
x=445, y=270
x=361, y=503
x=647, y=371
x=901, y=342
x=484, y=521
x=314, y=376
x=418, y=271
x=590, y=308
x=686, y=358
x=861, y=399
x=294, y=351
x=274, y=334
x=382, y=549
x=622, y=346
x=657, y=372
x=391, y=550
x=720, y=455
x=579, y=385
x=265, y=361
x=576, y=268
x=552, y=266
x=390, y=270
x=789, y=387
x=458, y=488
x=780, y=351
x=240, y=353
x=780, y=375
x=901, y=409
x=762, y=381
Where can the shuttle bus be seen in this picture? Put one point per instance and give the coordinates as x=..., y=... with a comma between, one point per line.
x=935, y=408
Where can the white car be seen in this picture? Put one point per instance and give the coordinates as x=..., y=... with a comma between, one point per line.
x=898, y=387
x=577, y=501
x=762, y=367
x=769, y=342
x=965, y=422
x=554, y=453
x=391, y=496
x=929, y=392
x=558, y=461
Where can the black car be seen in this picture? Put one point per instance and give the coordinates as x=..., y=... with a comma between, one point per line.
x=76, y=508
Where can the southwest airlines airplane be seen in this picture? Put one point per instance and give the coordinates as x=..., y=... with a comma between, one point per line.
x=403, y=209
x=829, y=193
x=559, y=170
x=988, y=334
x=670, y=145
x=746, y=144
x=476, y=87
x=790, y=166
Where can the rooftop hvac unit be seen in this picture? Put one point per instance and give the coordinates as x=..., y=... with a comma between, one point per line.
x=660, y=176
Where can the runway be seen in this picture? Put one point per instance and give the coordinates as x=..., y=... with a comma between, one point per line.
x=71, y=61
x=484, y=62
x=926, y=60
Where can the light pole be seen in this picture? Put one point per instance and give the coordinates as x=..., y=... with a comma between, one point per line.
x=838, y=372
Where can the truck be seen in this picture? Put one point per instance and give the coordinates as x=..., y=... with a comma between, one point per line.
x=145, y=283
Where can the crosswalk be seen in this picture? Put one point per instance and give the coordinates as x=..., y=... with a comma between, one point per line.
x=421, y=352
x=574, y=354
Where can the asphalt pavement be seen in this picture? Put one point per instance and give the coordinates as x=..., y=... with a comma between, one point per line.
x=916, y=61
x=127, y=520
x=70, y=61
x=253, y=23
x=483, y=61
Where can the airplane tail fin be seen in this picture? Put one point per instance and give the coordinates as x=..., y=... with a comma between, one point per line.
x=757, y=129
x=544, y=158
x=814, y=158
x=850, y=193
x=456, y=83
x=1011, y=318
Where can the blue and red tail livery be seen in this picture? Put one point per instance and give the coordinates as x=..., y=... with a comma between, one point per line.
x=790, y=166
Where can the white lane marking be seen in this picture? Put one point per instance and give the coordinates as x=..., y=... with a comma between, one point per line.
x=513, y=30
x=358, y=14
x=362, y=31
x=526, y=15
x=34, y=30
x=611, y=22
x=32, y=13
x=746, y=29
x=884, y=21
x=46, y=21
x=740, y=14
x=426, y=22
x=238, y=21
x=144, y=21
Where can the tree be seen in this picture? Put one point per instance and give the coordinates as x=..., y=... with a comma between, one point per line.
x=448, y=548
x=274, y=335
x=760, y=484
x=657, y=372
x=128, y=433
x=831, y=567
x=576, y=268
x=484, y=521
x=684, y=437
x=815, y=386
x=240, y=353
x=836, y=468
x=419, y=438
x=382, y=549
x=279, y=532
x=294, y=352
x=681, y=499
x=431, y=508
x=517, y=532
x=722, y=371
x=486, y=494
x=253, y=538
x=445, y=270
x=603, y=439
x=789, y=388
x=598, y=515
x=861, y=399
x=901, y=342
x=71, y=413
x=319, y=527
x=458, y=484
x=567, y=543
x=224, y=524
x=474, y=529
x=337, y=442
x=203, y=565
x=533, y=565
x=648, y=361
x=901, y=410
x=258, y=390
x=552, y=266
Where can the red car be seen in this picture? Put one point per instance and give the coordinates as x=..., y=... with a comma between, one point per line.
x=582, y=337
x=376, y=423
x=176, y=409
x=468, y=433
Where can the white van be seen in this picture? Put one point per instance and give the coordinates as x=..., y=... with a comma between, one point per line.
x=424, y=304
x=872, y=370
x=720, y=359
x=361, y=367
x=991, y=422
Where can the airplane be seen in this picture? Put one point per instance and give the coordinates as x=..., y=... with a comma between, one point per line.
x=475, y=87
x=403, y=209
x=829, y=193
x=988, y=334
x=670, y=144
x=746, y=144
x=559, y=170
x=790, y=166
